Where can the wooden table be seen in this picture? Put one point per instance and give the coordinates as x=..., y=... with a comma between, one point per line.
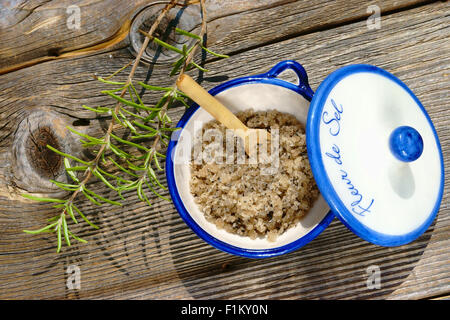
x=143, y=252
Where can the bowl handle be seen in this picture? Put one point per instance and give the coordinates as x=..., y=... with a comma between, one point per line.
x=303, y=84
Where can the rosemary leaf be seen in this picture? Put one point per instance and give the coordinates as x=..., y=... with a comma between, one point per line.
x=199, y=67
x=214, y=53
x=167, y=46
x=130, y=126
x=117, y=178
x=115, y=90
x=84, y=218
x=160, y=155
x=120, y=195
x=128, y=102
x=66, y=234
x=42, y=199
x=141, y=193
x=41, y=230
x=145, y=127
x=58, y=231
x=139, y=190
x=122, y=168
x=68, y=155
x=86, y=136
x=152, y=116
x=152, y=175
x=134, y=168
x=97, y=173
x=111, y=82
x=70, y=172
x=163, y=100
x=77, y=238
x=188, y=34
x=132, y=113
x=144, y=136
x=155, y=158
x=120, y=70
x=70, y=212
x=145, y=108
x=64, y=186
x=155, y=192
x=78, y=168
x=88, y=144
x=146, y=198
x=130, y=186
x=122, y=154
x=156, y=88
x=136, y=93
x=164, y=142
x=89, y=197
x=98, y=110
x=138, y=146
x=102, y=198
x=53, y=218
x=114, y=114
x=183, y=101
x=180, y=93
x=166, y=118
x=177, y=65
x=131, y=94
x=164, y=136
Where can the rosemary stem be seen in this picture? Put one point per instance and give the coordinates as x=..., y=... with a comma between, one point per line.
x=157, y=130
x=94, y=164
x=197, y=44
x=187, y=61
x=88, y=173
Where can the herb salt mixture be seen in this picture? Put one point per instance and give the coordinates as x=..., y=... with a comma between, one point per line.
x=243, y=198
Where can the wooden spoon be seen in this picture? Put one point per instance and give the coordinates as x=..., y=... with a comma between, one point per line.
x=251, y=137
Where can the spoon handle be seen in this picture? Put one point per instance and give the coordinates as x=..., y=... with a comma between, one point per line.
x=202, y=97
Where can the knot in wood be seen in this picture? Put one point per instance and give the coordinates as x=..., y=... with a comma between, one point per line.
x=33, y=164
x=183, y=18
x=44, y=161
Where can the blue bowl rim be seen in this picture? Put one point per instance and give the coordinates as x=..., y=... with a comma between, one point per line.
x=268, y=78
x=322, y=179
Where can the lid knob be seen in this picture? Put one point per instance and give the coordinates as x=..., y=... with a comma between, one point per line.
x=406, y=144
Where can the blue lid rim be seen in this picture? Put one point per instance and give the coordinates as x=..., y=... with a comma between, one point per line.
x=268, y=78
x=322, y=179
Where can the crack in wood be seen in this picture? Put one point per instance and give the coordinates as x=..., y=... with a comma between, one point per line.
x=122, y=33
x=324, y=27
x=58, y=53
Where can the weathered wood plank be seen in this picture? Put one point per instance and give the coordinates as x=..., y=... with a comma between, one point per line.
x=38, y=31
x=146, y=252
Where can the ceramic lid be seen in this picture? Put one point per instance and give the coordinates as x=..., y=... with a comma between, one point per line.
x=375, y=155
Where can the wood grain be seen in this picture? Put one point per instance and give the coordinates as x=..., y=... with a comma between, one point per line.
x=148, y=252
x=37, y=31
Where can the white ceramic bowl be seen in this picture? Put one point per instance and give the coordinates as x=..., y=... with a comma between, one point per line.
x=261, y=92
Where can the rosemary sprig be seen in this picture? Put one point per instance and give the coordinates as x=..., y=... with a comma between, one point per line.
x=138, y=168
x=148, y=175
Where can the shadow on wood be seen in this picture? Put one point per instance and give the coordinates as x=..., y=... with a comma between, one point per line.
x=333, y=266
